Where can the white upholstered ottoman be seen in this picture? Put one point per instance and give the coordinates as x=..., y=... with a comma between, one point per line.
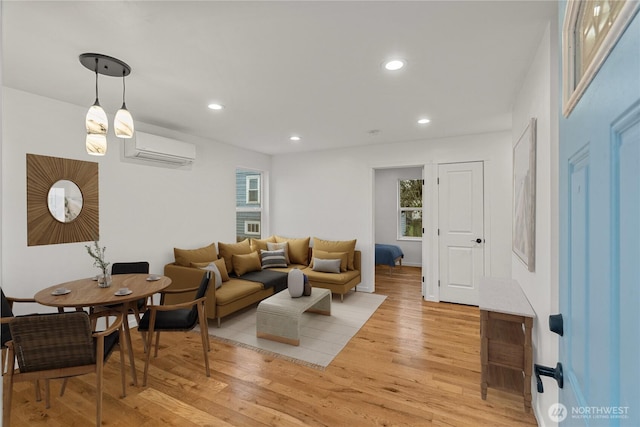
x=279, y=315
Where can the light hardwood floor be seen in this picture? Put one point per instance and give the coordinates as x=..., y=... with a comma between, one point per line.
x=414, y=363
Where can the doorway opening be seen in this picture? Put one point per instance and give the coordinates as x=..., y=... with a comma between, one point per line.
x=398, y=220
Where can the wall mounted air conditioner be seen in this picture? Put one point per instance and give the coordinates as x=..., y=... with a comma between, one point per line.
x=154, y=148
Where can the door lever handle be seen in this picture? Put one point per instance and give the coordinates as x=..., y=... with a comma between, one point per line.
x=555, y=373
x=478, y=240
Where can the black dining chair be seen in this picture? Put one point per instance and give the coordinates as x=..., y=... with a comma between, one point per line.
x=177, y=317
x=140, y=267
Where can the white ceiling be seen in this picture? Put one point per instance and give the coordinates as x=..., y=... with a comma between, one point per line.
x=283, y=68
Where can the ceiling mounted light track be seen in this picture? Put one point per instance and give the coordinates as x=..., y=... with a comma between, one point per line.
x=96, y=121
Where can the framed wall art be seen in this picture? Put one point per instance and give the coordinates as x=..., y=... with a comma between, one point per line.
x=524, y=196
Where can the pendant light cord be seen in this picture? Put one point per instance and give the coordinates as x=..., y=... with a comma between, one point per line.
x=124, y=87
x=97, y=103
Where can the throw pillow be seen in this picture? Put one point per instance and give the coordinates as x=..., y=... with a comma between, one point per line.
x=271, y=259
x=326, y=265
x=348, y=246
x=228, y=250
x=185, y=257
x=284, y=246
x=222, y=268
x=216, y=273
x=298, y=249
x=261, y=244
x=246, y=263
x=342, y=256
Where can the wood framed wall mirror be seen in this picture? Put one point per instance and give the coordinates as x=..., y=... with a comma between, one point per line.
x=62, y=200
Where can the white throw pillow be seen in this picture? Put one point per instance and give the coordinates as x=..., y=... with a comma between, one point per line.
x=214, y=269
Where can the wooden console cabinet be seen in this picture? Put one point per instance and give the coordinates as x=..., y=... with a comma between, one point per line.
x=506, y=319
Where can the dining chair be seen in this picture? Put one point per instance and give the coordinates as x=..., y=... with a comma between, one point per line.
x=7, y=315
x=60, y=345
x=177, y=317
x=140, y=267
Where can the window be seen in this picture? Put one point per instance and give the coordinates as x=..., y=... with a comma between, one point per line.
x=590, y=30
x=253, y=189
x=252, y=228
x=409, y=209
x=249, y=204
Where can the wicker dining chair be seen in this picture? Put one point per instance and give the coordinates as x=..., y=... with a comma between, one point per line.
x=53, y=346
x=175, y=318
x=7, y=316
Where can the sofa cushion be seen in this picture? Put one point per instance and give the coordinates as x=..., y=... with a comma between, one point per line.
x=261, y=244
x=342, y=256
x=326, y=265
x=185, y=257
x=212, y=267
x=348, y=246
x=284, y=246
x=298, y=249
x=236, y=289
x=227, y=250
x=245, y=263
x=273, y=259
x=330, y=278
x=222, y=268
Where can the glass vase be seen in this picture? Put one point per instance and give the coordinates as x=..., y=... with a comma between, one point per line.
x=104, y=280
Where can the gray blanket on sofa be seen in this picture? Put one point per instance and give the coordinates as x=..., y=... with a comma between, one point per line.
x=270, y=279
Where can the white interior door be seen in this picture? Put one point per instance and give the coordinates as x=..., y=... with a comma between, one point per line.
x=461, y=231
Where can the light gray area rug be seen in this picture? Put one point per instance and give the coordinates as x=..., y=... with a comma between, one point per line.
x=322, y=337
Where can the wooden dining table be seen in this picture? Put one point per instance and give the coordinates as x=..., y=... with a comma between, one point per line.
x=86, y=293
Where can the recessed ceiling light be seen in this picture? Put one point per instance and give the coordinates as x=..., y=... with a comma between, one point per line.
x=394, y=64
x=295, y=138
x=424, y=121
x=216, y=106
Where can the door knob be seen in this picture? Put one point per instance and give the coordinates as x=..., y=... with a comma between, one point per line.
x=556, y=324
x=555, y=373
x=478, y=240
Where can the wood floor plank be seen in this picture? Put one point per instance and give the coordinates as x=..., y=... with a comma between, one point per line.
x=414, y=363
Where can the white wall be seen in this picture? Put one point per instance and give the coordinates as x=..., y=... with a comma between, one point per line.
x=330, y=194
x=538, y=97
x=386, y=212
x=144, y=210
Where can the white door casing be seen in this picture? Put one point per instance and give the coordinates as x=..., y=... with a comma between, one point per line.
x=461, y=231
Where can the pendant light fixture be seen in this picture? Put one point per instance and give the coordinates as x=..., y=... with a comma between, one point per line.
x=123, y=123
x=96, y=121
x=97, y=125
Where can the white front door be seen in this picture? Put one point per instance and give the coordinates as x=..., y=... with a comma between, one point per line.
x=461, y=231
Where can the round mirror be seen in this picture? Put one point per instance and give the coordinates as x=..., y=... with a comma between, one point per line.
x=65, y=200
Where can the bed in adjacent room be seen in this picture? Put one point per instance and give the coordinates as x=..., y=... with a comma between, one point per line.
x=390, y=255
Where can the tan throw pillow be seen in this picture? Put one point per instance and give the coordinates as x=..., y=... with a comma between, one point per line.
x=219, y=263
x=298, y=249
x=258, y=245
x=185, y=257
x=228, y=250
x=246, y=263
x=348, y=246
x=277, y=246
x=342, y=256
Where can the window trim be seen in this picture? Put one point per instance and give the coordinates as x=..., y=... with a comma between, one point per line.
x=248, y=179
x=572, y=91
x=247, y=223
